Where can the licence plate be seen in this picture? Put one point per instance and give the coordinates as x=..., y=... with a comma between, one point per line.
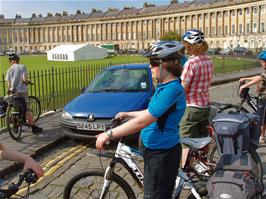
x=91, y=126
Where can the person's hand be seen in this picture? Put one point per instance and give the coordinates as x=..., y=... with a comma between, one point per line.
x=32, y=164
x=241, y=88
x=242, y=80
x=101, y=140
x=121, y=115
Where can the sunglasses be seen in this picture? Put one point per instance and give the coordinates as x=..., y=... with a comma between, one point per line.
x=155, y=64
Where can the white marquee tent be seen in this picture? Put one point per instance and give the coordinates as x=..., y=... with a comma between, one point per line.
x=76, y=52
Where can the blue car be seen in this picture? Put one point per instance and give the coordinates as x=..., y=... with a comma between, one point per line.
x=117, y=89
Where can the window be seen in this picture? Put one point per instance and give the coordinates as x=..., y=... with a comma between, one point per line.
x=233, y=13
x=220, y=29
x=262, y=9
x=240, y=28
x=254, y=27
x=247, y=28
x=247, y=11
x=226, y=29
x=255, y=10
x=233, y=29
x=240, y=12
x=262, y=29
x=213, y=30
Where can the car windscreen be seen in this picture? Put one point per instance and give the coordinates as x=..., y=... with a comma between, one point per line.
x=121, y=80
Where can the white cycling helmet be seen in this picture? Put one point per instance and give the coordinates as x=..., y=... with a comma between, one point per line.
x=165, y=50
x=193, y=36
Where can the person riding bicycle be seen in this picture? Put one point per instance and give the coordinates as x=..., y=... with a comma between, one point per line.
x=260, y=80
x=196, y=80
x=159, y=124
x=17, y=82
x=7, y=153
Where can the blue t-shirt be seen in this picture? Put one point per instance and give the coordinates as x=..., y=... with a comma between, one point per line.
x=164, y=97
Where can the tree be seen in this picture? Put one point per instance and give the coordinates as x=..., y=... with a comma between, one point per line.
x=171, y=36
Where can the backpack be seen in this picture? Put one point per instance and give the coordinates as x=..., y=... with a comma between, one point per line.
x=3, y=107
x=234, y=178
x=236, y=133
x=231, y=133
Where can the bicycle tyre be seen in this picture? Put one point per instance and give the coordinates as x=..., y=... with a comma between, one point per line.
x=91, y=185
x=255, y=156
x=14, y=126
x=35, y=108
x=203, y=192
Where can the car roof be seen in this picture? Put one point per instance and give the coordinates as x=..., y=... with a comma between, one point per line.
x=128, y=66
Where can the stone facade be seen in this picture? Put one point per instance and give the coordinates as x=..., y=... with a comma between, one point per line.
x=227, y=23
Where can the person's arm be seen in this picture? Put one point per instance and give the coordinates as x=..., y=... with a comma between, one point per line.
x=130, y=127
x=7, y=153
x=133, y=114
x=185, y=86
x=248, y=78
x=254, y=80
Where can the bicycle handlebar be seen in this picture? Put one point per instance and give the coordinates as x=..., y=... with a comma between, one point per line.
x=28, y=176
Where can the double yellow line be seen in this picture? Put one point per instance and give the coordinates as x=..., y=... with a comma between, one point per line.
x=53, y=165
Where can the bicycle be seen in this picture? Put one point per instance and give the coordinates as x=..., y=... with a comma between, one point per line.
x=16, y=117
x=29, y=177
x=112, y=185
x=252, y=102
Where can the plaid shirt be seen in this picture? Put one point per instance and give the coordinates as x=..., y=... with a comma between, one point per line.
x=197, y=75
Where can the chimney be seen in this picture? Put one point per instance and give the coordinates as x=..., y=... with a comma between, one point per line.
x=112, y=9
x=147, y=5
x=49, y=14
x=33, y=15
x=2, y=17
x=173, y=1
x=64, y=13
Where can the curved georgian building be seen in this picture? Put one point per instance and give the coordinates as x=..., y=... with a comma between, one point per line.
x=226, y=23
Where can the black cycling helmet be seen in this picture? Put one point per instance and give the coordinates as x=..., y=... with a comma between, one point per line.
x=13, y=56
x=165, y=50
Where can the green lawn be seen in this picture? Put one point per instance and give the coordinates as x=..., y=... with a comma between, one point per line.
x=39, y=62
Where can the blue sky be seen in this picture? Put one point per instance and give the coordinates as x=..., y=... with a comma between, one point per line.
x=25, y=8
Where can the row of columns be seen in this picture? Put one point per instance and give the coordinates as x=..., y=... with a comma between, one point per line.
x=213, y=24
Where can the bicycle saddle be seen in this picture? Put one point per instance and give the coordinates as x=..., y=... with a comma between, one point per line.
x=196, y=143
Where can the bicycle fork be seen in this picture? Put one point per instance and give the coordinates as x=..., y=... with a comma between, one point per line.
x=181, y=179
x=107, y=181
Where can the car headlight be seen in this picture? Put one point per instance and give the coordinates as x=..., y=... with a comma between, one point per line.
x=66, y=116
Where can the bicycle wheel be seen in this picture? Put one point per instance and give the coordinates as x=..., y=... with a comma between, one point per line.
x=255, y=156
x=89, y=184
x=35, y=108
x=203, y=192
x=13, y=122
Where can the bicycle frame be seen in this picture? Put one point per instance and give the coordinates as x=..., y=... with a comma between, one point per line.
x=124, y=155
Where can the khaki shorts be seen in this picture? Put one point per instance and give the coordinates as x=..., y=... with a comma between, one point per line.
x=194, y=122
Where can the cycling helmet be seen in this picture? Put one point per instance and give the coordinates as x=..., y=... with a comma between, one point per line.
x=193, y=36
x=165, y=50
x=13, y=56
x=262, y=56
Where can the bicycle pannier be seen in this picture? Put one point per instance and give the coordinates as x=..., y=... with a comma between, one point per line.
x=3, y=107
x=20, y=104
x=231, y=132
x=235, y=177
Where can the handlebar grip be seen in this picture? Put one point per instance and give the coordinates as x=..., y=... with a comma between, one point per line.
x=30, y=176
